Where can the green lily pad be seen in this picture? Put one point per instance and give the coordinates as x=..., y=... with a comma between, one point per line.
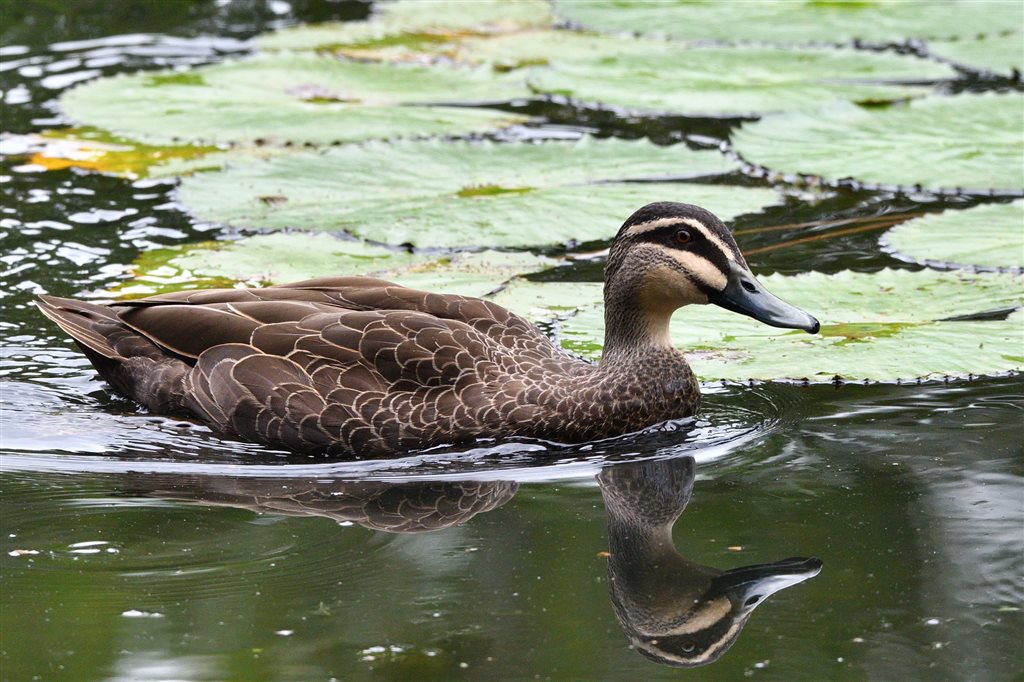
x=793, y=21
x=966, y=141
x=452, y=194
x=987, y=236
x=292, y=98
x=412, y=22
x=882, y=326
x=289, y=257
x=999, y=54
x=665, y=76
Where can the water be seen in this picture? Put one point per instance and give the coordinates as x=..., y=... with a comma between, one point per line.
x=136, y=547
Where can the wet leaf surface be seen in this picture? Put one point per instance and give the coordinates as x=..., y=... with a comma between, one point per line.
x=1001, y=54
x=405, y=22
x=986, y=236
x=281, y=257
x=785, y=21
x=450, y=194
x=292, y=98
x=966, y=141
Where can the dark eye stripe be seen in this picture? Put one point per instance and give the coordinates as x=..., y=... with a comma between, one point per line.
x=665, y=236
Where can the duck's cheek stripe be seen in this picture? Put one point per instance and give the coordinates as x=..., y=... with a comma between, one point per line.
x=705, y=273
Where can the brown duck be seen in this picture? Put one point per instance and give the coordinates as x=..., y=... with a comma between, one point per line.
x=356, y=367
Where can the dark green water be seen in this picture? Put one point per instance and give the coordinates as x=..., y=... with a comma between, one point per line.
x=139, y=548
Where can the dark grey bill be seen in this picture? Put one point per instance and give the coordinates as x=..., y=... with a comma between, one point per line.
x=748, y=586
x=743, y=294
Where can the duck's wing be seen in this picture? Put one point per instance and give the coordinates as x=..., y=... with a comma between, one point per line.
x=187, y=322
x=358, y=380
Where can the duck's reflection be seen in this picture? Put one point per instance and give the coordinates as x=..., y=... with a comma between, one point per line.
x=413, y=507
x=673, y=610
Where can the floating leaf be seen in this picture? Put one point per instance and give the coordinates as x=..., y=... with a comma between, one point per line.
x=665, y=76
x=789, y=21
x=998, y=54
x=987, y=236
x=470, y=274
x=433, y=193
x=412, y=22
x=292, y=98
x=881, y=326
x=289, y=257
x=97, y=150
x=967, y=141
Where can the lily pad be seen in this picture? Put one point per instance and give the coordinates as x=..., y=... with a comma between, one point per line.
x=662, y=76
x=882, y=326
x=987, y=236
x=289, y=257
x=793, y=21
x=413, y=22
x=999, y=54
x=97, y=150
x=292, y=98
x=966, y=141
x=671, y=77
x=451, y=194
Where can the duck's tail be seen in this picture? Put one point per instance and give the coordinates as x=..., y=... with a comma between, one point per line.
x=127, y=360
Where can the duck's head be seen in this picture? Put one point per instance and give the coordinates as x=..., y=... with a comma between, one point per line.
x=667, y=255
x=691, y=615
x=676, y=611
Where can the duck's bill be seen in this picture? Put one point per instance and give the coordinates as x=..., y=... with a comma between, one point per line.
x=748, y=586
x=743, y=294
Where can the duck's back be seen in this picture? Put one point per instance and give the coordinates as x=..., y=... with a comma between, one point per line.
x=353, y=366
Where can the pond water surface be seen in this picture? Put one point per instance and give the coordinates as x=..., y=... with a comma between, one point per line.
x=139, y=548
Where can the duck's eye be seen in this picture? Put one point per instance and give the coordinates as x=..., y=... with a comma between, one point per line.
x=683, y=237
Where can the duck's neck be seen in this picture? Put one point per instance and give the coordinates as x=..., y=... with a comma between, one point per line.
x=650, y=574
x=635, y=324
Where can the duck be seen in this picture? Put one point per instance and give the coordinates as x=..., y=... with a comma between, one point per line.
x=675, y=611
x=359, y=367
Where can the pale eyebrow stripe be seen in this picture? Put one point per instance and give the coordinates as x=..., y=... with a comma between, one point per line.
x=711, y=237
x=640, y=228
